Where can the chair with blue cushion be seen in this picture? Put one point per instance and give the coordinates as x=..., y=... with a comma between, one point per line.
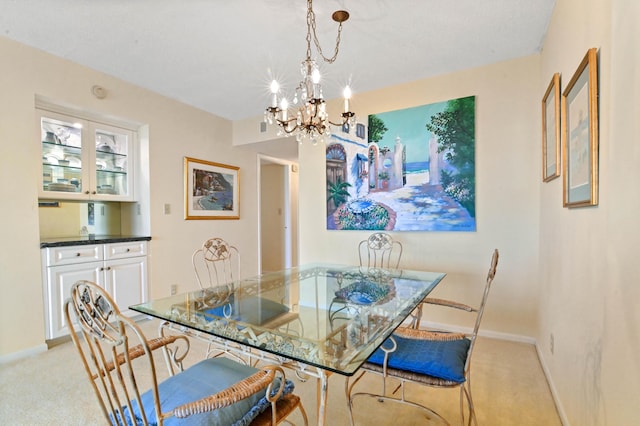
x=120, y=362
x=380, y=250
x=432, y=358
x=216, y=263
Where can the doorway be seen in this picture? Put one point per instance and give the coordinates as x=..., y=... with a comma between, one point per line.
x=278, y=182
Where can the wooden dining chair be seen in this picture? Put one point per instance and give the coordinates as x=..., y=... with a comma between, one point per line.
x=437, y=359
x=120, y=364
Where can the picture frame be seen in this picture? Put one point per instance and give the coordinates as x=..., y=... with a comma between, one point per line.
x=551, y=130
x=580, y=134
x=212, y=190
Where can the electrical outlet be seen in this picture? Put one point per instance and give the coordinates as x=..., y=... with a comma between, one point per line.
x=139, y=209
x=551, y=343
x=167, y=208
x=174, y=289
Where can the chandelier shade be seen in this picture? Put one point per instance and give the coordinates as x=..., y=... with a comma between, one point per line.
x=305, y=117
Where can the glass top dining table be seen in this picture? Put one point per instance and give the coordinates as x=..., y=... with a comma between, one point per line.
x=332, y=317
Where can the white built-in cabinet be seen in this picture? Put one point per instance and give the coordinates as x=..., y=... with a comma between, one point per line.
x=120, y=268
x=85, y=160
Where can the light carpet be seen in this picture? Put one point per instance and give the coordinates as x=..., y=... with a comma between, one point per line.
x=509, y=388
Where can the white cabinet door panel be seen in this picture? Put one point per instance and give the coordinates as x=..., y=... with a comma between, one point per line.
x=126, y=281
x=60, y=279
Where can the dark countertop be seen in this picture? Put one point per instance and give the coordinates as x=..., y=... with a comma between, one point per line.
x=85, y=240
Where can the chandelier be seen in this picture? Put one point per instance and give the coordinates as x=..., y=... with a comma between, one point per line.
x=310, y=120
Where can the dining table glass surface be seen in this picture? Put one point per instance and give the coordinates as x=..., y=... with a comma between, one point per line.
x=329, y=316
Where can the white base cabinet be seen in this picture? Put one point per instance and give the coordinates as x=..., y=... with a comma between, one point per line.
x=120, y=268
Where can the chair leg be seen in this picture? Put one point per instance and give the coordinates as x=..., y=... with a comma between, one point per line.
x=347, y=392
x=465, y=394
x=416, y=317
x=304, y=414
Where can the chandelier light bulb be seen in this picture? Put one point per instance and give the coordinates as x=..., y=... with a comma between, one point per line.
x=315, y=76
x=347, y=96
x=275, y=87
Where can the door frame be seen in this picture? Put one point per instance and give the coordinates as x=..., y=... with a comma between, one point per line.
x=289, y=168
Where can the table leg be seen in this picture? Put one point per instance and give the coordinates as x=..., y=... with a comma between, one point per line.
x=323, y=390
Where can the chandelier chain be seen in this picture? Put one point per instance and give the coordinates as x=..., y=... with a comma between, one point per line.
x=311, y=27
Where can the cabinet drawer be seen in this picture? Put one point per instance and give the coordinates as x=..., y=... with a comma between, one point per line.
x=124, y=250
x=73, y=254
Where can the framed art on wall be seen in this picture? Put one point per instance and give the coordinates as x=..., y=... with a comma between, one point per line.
x=551, y=130
x=580, y=134
x=416, y=171
x=211, y=190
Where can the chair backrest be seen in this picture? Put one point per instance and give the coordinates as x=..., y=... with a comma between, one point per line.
x=110, y=343
x=380, y=250
x=480, y=310
x=216, y=263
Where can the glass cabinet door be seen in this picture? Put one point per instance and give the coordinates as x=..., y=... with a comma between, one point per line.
x=84, y=160
x=63, y=156
x=113, y=173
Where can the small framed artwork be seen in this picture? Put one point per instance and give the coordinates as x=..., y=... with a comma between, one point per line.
x=211, y=190
x=551, y=130
x=580, y=134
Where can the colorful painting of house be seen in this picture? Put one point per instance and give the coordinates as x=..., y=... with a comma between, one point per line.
x=408, y=170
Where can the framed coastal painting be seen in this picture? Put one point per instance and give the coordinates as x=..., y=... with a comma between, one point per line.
x=551, y=130
x=211, y=190
x=580, y=134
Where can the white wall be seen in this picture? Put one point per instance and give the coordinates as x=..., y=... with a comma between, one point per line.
x=173, y=130
x=507, y=172
x=589, y=269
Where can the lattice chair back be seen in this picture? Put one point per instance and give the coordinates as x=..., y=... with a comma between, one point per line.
x=380, y=250
x=110, y=343
x=216, y=263
x=212, y=391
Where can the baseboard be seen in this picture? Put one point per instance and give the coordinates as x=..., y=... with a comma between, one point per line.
x=44, y=347
x=513, y=338
x=15, y=356
x=484, y=333
x=552, y=387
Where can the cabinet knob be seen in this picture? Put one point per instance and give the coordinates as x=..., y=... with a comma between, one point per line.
x=108, y=268
x=94, y=192
x=86, y=192
x=78, y=255
x=128, y=250
x=102, y=269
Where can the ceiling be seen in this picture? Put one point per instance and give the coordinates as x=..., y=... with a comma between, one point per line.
x=220, y=56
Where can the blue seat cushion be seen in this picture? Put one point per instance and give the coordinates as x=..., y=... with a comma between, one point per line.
x=441, y=359
x=203, y=379
x=249, y=309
